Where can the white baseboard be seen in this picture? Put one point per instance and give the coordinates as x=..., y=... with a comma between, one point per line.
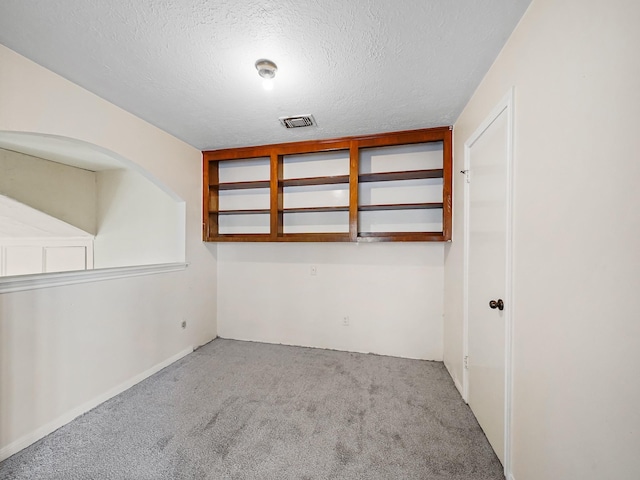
x=43, y=431
x=456, y=382
x=458, y=386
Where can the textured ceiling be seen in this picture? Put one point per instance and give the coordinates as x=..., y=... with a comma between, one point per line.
x=359, y=67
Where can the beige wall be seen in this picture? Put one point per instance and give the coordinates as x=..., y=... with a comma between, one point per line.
x=62, y=347
x=576, y=69
x=62, y=191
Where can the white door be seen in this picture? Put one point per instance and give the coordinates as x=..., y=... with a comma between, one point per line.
x=488, y=249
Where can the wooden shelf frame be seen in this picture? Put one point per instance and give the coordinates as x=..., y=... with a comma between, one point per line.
x=277, y=183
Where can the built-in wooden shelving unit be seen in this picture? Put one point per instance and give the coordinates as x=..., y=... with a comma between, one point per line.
x=358, y=189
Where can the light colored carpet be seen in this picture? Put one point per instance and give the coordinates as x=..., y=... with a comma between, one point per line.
x=242, y=410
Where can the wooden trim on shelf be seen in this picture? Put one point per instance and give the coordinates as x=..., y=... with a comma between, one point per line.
x=261, y=211
x=206, y=207
x=400, y=237
x=405, y=137
x=243, y=185
x=354, y=159
x=400, y=206
x=447, y=184
x=248, y=211
x=315, y=237
x=277, y=197
x=344, y=208
x=406, y=175
x=262, y=151
x=242, y=237
x=212, y=199
x=309, y=181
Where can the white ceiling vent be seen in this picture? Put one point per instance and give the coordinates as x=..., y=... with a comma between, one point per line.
x=298, y=121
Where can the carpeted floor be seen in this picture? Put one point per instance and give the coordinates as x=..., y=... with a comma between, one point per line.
x=242, y=410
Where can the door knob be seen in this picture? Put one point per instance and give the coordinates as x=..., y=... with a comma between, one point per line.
x=499, y=304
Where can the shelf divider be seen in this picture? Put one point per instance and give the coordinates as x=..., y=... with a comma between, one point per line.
x=447, y=185
x=277, y=198
x=354, y=160
x=212, y=200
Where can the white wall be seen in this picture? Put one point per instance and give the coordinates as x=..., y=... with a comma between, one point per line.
x=138, y=223
x=575, y=68
x=62, y=191
x=392, y=294
x=62, y=347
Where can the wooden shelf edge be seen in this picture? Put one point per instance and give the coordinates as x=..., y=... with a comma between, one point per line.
x=404, y=137
x=287, y=237
x=401, y=237
x=257, y=211
x=399, y=206
x=240, y=237
x=407, y=137
x=316, y=209
x=334, y=180
x=264, y=211
x=242, y=185
x=406, y=175
x=363, y=237
x=314, y=237
x=264, y=151
x=309, y=181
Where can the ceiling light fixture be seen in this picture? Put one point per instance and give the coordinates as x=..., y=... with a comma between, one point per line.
x=266, y=68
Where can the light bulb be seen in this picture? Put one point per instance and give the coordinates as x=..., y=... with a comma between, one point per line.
x=267, y=84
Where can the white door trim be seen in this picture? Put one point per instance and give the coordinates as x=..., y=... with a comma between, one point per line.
x=506, y=104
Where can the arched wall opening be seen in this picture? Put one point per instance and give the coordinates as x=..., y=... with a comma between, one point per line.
x=132, y=218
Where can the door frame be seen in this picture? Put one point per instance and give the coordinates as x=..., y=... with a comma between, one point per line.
x=505, y=104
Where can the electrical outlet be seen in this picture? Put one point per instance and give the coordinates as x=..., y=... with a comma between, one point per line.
x=314, y=270
x=183, y=324
x=345, y=321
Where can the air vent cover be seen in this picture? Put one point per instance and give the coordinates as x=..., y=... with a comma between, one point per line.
x=298, y=121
